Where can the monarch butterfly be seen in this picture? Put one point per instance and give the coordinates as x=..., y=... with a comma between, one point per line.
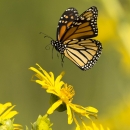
x=73, y=37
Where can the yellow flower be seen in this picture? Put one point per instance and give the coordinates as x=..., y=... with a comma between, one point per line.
x=62, y=95
x=5, y=117
x=125, y=59
x=94, y=127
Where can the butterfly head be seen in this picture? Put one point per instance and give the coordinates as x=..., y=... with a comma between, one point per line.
x=59, y=46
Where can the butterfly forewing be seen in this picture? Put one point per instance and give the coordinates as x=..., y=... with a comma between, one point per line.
x=90, y=14
x=85, y=26
x=65, y=21
x=84, y=52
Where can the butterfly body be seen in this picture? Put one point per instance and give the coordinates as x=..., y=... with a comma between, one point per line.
x=74, y=35
x=59, y=46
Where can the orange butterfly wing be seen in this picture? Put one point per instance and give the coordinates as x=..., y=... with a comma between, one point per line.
x=85, y=26
x=65, y=21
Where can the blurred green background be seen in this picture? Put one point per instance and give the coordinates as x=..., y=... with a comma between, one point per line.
x=106, y=86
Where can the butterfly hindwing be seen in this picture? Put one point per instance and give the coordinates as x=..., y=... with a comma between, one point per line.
x=65, y=21
x=84, y=52
x=85, y=26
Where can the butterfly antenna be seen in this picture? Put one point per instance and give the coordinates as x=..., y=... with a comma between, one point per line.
x=45, y=35
x=48, y=46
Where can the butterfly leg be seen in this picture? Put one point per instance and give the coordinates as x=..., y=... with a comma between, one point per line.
x=52, y=52
x=62, y=59
x=58, y=55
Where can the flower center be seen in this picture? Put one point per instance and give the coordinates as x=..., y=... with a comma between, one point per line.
x=67, y=93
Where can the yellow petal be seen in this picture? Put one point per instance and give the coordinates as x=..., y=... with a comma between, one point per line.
x=54, y=106
x=59, y=77
x=94, y=126
x=69, y=113
x=78, y=128
x=3, y=107
x=9, y=114
x=59, y=83
x=76, y=122
x=92, y=109
x=52, y=91
x=44, y=77
x=89, y=128
x=43, y=84
x=17, y=125
x=49, y=77
x=78, y=108
x=38, y=73
x=101, y=127
x=52, y=76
